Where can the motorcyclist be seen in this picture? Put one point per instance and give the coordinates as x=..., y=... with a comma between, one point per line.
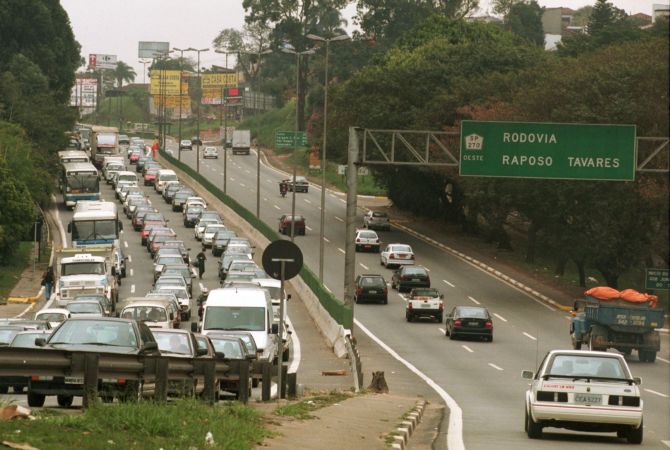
x=201, y=301
x=283, y=188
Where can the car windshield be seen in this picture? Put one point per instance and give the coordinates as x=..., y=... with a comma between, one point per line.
x=26, y=340
x=180, y=292
x=51, y=317
x=177, y=343
x=230, y=348
x=83, y=268
x=168, y=177
x=156, y=217
x=84, y=308
x=92, y=332
x=213, y=228
x=184, y=273
x=235, y=318
x=170, y=281
x=6, y=336
x=579, y=366
x=145, y=313
x=169, y=260
x=472, y=312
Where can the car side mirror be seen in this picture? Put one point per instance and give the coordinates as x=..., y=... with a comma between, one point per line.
x=637, y=380
x=40, y=342
x=113, y=270
x=275, y=328
x=194, y=327
x=120, y=226
x=250, y=357
x=201, y=352
x=220, y=355
x=288, y=297
x=171, y=316
x=527, y=374
x=149, y=346
x=69, y=227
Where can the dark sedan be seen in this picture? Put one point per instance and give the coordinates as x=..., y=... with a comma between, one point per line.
x=100, y=334
x=371, y=288
x=408, y=277
x=469, y=321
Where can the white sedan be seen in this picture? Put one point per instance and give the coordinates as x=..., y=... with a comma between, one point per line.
x=395, y=255
x=584, y=391
x=210, y=152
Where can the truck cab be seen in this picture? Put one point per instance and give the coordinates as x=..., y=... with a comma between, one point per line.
x=85, y=273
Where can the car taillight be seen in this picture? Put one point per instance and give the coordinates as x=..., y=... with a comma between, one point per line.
x=392, y=256
x=413, y=257
x=457, y=322
x=409, y=305
x=488, y=324
x=358, y=240
x=441, y=306
x=386, y=290
x=359, y=290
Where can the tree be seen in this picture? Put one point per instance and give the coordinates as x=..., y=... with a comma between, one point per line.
x=525, y=20
x=17, y=213
x=503, y=7
x=123, y=72
x=604, y=15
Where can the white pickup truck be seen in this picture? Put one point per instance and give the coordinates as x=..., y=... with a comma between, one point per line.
x=424, y=302
x=89, y=272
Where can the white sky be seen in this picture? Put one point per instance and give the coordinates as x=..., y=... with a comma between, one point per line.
x=116, y=26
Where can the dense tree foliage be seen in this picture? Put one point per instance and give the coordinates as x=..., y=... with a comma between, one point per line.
x=525, y=20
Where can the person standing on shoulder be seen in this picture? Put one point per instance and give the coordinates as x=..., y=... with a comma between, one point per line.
x=48, y=282
x=201, y=262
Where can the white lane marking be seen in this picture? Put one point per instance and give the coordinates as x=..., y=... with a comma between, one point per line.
x=474, y=301
x=364, y=266
x=295, y=350
x=247, y=171
x=663, y=359
x=441, y=330
x=201, y=286
x=657, y=393
x=243, y=185
x=265, y=199
x=448, y=283
x=326, y=239
x=125, y=244
x=337, y=218
x=327, y=288
x=468, y=348
x=132, y=288
x=132, y=273
x=343, y=201
x=496, y=367
x=269, y=181
x=427, y=269
x=341, y=251
x=455, y=430
x=666, y=443
x=129, y=258
x=276, y=207
x=232, y=179
x=307, y=201
x=529, y=336
x=500, y=317
x=308, y=228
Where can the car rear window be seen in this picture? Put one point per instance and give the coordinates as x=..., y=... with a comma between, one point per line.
x=379, y=214
x=401, y=248
x=415, y=271
x=587, y=366
x=476, y=313
x=372, y=281
x=368, y=234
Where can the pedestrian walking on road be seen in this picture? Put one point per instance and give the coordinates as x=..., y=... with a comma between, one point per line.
x=201, y=262
x=48, y=282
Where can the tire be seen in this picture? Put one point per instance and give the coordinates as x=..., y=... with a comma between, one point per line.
x=446, y=331
x=634, y=435
x=577, y=345
x=533, y=429
x=385, y=301
x=439, y=317
x=107, y=398
x=592, y=345
x=647, y=355
x=255, y=382
x=490, y=338
x=132, y=394
x=285, y=355
x=4, y=389
x=17, y=389
x=409, y=316
x=64, y=401
x=36, y=400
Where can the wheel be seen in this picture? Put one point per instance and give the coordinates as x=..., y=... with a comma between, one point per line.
x=592, y=345
x=17, y=389
x=409, y=316
x=285, y=355
x=634, y=435
x=132, y=394
x=647, y=355
x=4, y=389
x=533, y=429
x=439, y=317
x=107, y=398
x=577, y=345
x=375, y=249
x=385, y=301
x=490, y=338
x=446, y=331
x=255, y=382
x=452, y=335
x=64, y=401
x=36, y=400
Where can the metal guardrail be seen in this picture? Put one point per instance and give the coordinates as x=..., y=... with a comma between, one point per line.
x=94, y=366
x=355, y=361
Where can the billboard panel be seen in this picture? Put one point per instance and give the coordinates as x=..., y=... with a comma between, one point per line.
x=100, y=61
x=84, y=94
x=212, y=96
x=152, y=49
x=218, y=80
x=172, y=101
x=166, y=82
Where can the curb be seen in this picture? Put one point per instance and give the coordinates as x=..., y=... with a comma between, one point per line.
x=33, y=299
x=406, y=427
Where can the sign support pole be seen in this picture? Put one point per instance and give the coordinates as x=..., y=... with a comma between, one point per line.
x=280, y=351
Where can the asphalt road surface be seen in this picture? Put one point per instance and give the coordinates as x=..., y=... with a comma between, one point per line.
x=483, y=378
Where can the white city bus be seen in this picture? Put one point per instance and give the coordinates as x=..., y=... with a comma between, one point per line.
x=79, y=181
x=73, y=156
x=95, y=224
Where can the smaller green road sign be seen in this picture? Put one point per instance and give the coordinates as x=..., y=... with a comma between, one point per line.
x=658, y=279
x=548, y=150
x=290, y=139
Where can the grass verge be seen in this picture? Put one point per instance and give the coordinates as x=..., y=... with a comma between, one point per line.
x=180, y=425
x=9, y=274
x=301, y=410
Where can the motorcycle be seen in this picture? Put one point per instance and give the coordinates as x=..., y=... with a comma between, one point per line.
x=283, y=188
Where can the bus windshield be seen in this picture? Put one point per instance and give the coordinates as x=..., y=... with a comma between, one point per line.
x=94, y=229
x=83, y=182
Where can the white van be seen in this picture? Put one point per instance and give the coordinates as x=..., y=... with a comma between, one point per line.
x=155, y=313
x=163, y=176
x=242, y=309
x=126, y=177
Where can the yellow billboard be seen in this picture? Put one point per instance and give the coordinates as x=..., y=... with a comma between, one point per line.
x=172, y=101
x=166, y=82
x=219, y=80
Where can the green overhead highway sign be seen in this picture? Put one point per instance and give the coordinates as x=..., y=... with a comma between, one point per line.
x=290, y=139
x=658, y=279
x=548, y=150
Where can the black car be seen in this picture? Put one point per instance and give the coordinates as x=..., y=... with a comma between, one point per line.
x=192, y=215
x=220, y=241
x=170, y=191
x=21, y=339
x=469, y=321
x=408, y=277
x=371, y=288
x=180, y=198
x=99, y=334
x=195, y=140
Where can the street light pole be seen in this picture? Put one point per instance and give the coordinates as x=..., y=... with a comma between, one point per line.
x=197, y=126
x=225, y=128
x=144, y=70
x=181, y=71
x=323, y=150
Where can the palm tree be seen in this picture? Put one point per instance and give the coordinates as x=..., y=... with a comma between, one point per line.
x=123, y=72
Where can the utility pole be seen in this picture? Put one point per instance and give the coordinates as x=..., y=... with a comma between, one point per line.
x=197, y=126
x=181, y=71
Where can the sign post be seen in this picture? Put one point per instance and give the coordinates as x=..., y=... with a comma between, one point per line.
x=290, y=139
x=657, y=279
x=282, y=260
x=548, y=150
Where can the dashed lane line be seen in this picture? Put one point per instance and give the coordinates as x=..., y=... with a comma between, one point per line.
x=468, y=349
x=364, y=266
x=441, y=330
x=132, y=288
x=243, y=185
x=529, y=336
x=129, y=258
x=341, y=251
x=448, y=283
x=265, y=199
x=307, y=201
x=657, y=393
x=326, y=239
x=276, y=207
x=496, y=367
x=474, y=301
x=500, y=317
x=338, y=218
x=131, y=272
x=125, y=244
x=308, y=228
x=666, y=443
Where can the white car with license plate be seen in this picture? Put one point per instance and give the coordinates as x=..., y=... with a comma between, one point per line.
x=395, y=255
x=210, y=152
x=367, y=240
x=584, y=391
